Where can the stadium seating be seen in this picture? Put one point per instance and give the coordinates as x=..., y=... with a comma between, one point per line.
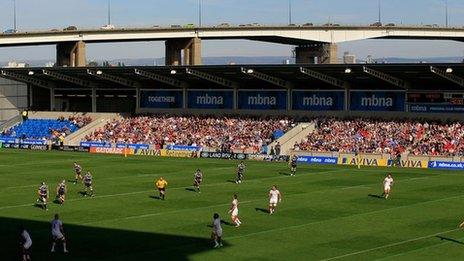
x=41, y=129
x=382, y=136
x=216, y=133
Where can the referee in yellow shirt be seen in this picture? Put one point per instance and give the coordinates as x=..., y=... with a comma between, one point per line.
x=161, y=184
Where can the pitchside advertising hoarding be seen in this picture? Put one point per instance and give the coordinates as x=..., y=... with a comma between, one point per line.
x=318, y=100
x=262, y=100
x=377, y=101
x=162, y=99
x=207, y=99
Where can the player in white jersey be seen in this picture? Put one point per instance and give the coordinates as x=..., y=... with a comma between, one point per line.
x=58, y=233
x=217, y=231
x=234, y=211
x=26, y=243
x=387, y=184
x=274, y=197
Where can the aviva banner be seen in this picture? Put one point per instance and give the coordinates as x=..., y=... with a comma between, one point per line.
x=318, y=101
x=377, y=101
x=160, y=99
x=418, y=164
x=262, y=100
x=211, y=99
x=355, y=161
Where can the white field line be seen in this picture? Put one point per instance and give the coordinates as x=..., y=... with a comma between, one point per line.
x=389, y=245
x=175, y=188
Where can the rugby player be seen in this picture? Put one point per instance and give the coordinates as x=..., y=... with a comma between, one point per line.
x=61, y=192
x=78, y=171
x=197, y=179
x=43, y=195
x=88, y=184
x=161, y=185
x=240, y=172
x=274, y=197
x=26, y=243
x=387, y=184
x=217, y=231
x=234, y=211
x=293, y=163
x=58, y=234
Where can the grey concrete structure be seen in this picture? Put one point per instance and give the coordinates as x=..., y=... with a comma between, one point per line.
x=13, y=98
x=313, y=43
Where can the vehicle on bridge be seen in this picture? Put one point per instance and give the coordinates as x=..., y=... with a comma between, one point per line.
x=70, y=28
x=10, y=31
x=108, y=27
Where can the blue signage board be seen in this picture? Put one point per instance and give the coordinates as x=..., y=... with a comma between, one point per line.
x=95, y=144
x=133, y=146
x=9, y=140
x=435, y=108
x=183, y=147
x=162, y=99
x=203, y=99
x=318, y=100
x=317, y=160
x=262, y=100
x=446, y=165
x=377, y=101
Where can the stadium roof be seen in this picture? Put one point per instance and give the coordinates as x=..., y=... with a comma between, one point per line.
x=426, y=77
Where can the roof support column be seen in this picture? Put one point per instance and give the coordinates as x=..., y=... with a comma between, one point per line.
x=318, y=53
x=94, y=100
x=52, y=99
x=71, y=54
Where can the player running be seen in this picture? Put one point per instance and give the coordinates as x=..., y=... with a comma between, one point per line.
x=26, y=243
x=88, y=184
x=387, y=184
x=217, y=231
x=58, y=233
x=274, y=197
x=78, y=171
x=240, y=172
x=43, y=195
x=161, y=185
x=197, y=179
x=61, y=192
x=234, y=211
x=293, y=164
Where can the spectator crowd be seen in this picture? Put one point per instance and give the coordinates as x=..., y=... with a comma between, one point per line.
x=381, y=136
x=216, y=133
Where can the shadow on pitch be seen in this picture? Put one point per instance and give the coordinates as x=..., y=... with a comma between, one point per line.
x=154, y=197
x=231, y=180
x=222, y=222
x=190, y=189
x=93, y=243
x=262, y=210
x=450, y=240
x=375, y=196
x=284, y=173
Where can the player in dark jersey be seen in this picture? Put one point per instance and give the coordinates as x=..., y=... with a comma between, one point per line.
x=240, y=172
x=293, y=164
x=43, y=195
x=88, y=184
x=197, y=179
x=61, y=192
x=78, y=171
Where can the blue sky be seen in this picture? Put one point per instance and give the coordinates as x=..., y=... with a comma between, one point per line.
x=48, y=14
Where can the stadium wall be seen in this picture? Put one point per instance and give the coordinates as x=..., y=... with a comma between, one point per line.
x=13, y=99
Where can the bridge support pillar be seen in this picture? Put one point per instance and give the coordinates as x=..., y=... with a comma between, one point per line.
x=318, y=53
x=71, y=54
x=191, y=49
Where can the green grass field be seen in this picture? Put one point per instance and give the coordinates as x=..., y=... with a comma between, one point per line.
x=326, y=212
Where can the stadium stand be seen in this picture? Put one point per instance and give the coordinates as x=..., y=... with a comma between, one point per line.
x=381, y=136
x=215, y=133
x=45, y=129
